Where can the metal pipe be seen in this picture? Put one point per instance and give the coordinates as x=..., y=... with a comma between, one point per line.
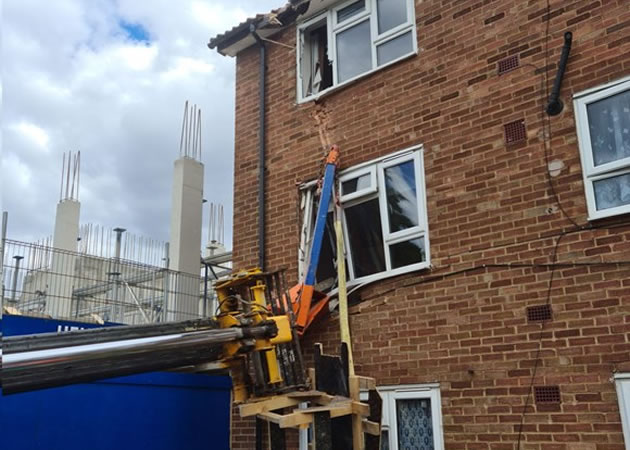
x=5, y=221
x=555, y=105
x=31, y=370
x=261, y=149
x=16, y=272
x=117, y=310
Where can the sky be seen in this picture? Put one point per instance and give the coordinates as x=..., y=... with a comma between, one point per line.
x=110, y=78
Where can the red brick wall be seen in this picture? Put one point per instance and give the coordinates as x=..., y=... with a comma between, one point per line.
x=461, y=323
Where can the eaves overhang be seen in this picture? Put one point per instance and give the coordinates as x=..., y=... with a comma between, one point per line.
x=237, y=39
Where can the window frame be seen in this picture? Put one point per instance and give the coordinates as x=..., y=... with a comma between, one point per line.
x=390, y=394
x=376, y=168
x=624, y=408
x=334, y=28
x=590, y=172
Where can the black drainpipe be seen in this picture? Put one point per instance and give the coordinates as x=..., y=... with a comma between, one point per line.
x=261, y=149
x=555, y=105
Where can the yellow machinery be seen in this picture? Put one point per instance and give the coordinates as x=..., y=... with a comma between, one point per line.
x=267, y=366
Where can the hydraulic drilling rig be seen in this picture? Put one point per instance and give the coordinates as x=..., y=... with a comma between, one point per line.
x=253, y=337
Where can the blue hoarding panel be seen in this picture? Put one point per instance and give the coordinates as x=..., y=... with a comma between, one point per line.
x=158, y=410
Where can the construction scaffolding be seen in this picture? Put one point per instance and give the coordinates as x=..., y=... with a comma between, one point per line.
x=40, y=280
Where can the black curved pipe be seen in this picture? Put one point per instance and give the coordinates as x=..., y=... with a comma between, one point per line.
x=555, y=105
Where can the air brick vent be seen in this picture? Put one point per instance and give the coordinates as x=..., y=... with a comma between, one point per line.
x=547, y=394
x=515, y=132
x=508, y=64
x=538, y=313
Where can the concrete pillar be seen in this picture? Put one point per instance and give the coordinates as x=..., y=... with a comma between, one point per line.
x=185, y=242
x=61, y=279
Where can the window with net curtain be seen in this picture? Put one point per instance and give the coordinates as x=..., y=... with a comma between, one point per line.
x=603, y=126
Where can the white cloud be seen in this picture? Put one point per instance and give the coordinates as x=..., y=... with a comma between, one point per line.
x=36, y=134
x=74, y=79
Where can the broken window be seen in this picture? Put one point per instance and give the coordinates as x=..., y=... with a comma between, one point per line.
x=353, y=39
x=316, y=69
x=383, y=219
x=603, y=126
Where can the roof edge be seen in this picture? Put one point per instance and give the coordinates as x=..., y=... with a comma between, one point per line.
x=227, y=43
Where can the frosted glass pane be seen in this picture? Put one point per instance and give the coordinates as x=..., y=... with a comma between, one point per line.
x=391, y=13
x=397, y=47
x=612, y=192
x=415, y=425
x=354, y=52
x=609, y=127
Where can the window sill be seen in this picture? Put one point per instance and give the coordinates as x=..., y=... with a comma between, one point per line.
x=352, y=80
x=360, y=282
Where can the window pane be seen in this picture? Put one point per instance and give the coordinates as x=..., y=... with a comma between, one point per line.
x=415, y=428
x=391, y=13
x=366, y=238
x=402, y=200
x=354, y=52
x=395, y=48
x=350, y=10
x=407, y=253
x=612, y=192
x=356, y=184
x=609, y=127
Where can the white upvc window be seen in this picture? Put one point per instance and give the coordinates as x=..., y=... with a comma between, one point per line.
x=622, y=382
x=351, y=40
x=411, y=418
x=384, y=220
x=603, y=129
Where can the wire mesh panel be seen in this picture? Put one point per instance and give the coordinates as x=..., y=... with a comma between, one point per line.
x=41, y=280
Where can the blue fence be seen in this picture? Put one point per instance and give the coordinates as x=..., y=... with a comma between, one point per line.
x=157, y=411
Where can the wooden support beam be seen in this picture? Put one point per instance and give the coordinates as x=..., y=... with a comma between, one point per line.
x=270, y=404
x=373, y=428
x=357, y=426
x=366, y=383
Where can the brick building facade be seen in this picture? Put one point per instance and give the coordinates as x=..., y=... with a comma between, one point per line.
x=524, y=296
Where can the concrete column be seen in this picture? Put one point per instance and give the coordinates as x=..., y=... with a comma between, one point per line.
x=185, y=242
x=61, y=279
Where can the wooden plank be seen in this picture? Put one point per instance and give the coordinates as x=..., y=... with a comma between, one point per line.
x=336, y=409
x=366, y=383
x=357, y=426
x=372, y=428
x=295, y=420
x=271, y=417
x=271, y=404
x=342, y=294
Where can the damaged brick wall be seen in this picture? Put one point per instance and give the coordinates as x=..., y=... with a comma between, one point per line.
x=489, y=202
